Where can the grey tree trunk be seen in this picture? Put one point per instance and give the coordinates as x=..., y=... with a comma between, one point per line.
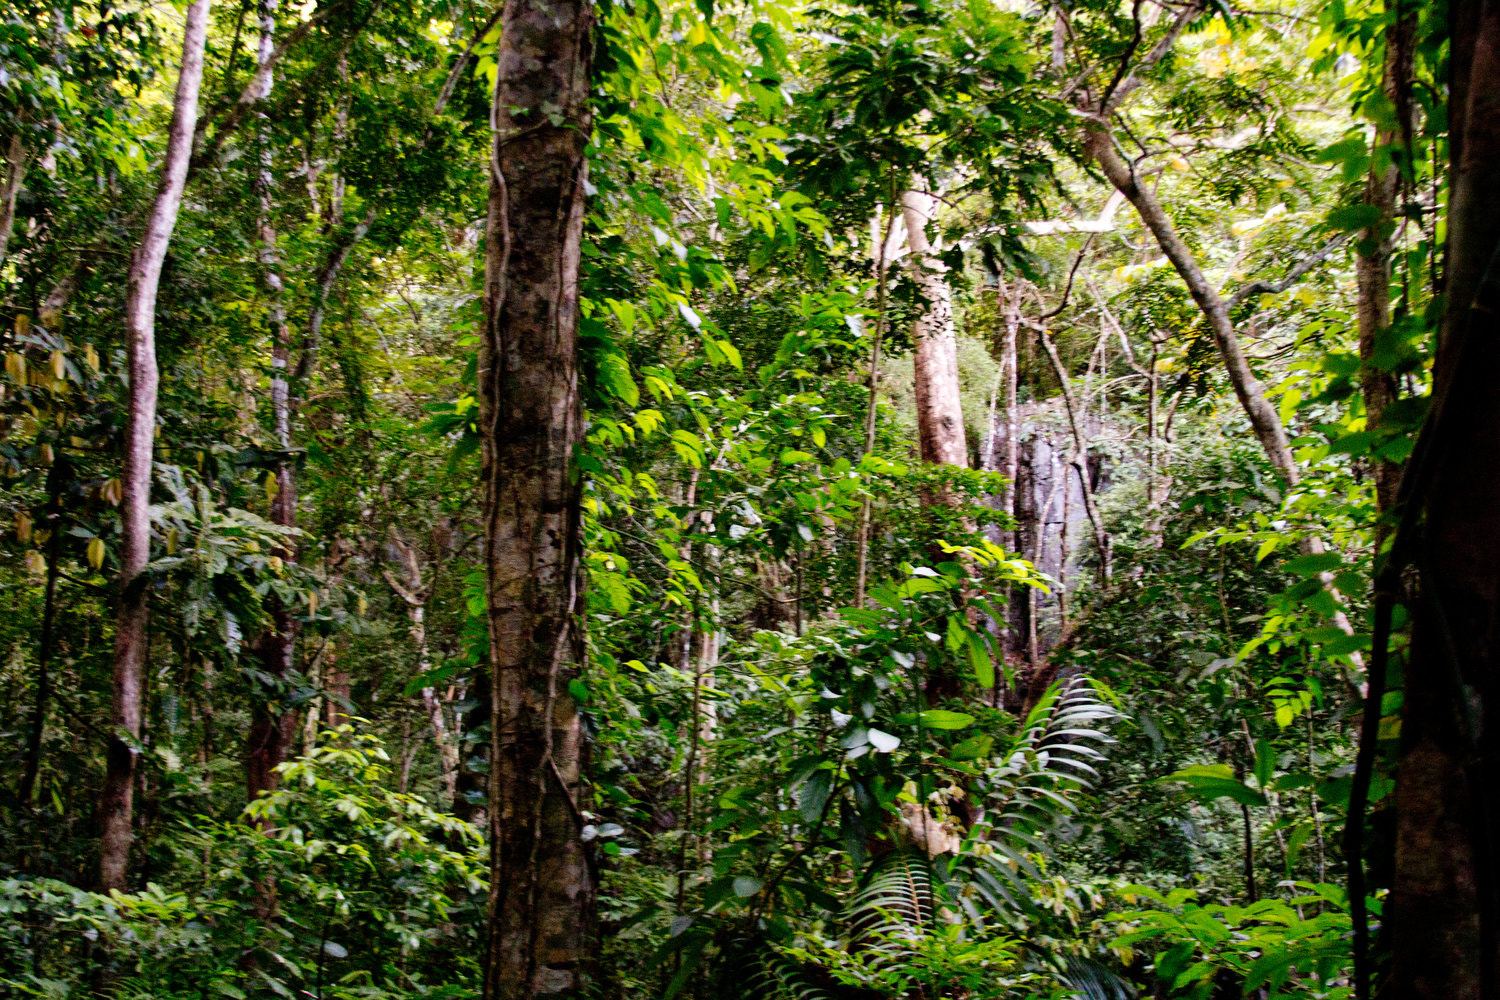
x=940, y=419
x=272, y=725
x=140, y=338
x=12, y=170
x=542, y=885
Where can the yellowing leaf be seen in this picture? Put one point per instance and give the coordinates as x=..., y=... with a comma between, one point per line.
x=96, y=552
x=35, y=563
x=23, y=527
x=59, y=364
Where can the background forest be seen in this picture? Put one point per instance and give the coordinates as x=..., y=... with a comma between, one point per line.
x=776, y=499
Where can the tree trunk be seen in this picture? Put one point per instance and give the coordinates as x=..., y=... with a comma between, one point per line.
x=140, y=336
x=541, y=902
x=272, y=726
x=1445, y=897
x=880, y=241
x=1373, y=251
x=940, y=419
x=33, y=764
x=1263, y=417
x=14, y=168
x=415, y=596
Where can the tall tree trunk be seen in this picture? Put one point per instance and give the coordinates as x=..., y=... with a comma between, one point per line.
x=940, y=419
x=1373, y=251
x=880, y=242
x=541, y=903
x=140, y=339
x=1444, y=908
x=415, y=596
x=272, y=725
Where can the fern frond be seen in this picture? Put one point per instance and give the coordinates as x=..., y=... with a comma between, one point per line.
x=896, y=900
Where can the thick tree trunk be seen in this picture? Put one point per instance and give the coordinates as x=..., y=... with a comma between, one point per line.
x=541, y=903
x=140, y=432
x=1444, y=908
x=940, y=419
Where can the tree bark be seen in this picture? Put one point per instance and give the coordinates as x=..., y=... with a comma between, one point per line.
x=541, y=902
x=1373, y=251
x=272, y=726
x=1263, y=417
x=14, y=167
x=1445, y=897
x=140, y=337
x=1264, y=420
x=940, y=419
x=33, y=764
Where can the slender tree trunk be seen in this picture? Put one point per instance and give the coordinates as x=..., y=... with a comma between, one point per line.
x=415, y=596
x=940, y=419
x=33, y=765
x=880, y=232
x=541, y=902
x=1373, y=251
x=1264, y=419
x=140, y=338
x=14, y=169
x=272, y=726
x=1444, y=908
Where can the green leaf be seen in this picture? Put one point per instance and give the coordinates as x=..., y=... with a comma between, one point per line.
x=745, y=886
x=813, y=795
x=1215, y=781
x=937, y=718
x=979, y=659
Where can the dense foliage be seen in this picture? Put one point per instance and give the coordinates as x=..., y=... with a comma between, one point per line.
x=1079, y=717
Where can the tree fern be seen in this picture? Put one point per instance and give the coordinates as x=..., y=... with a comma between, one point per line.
x=1030, y=792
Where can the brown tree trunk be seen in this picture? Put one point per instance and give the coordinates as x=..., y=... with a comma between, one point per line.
x=542, y=887
x=1445, y=897
x=1373, y=251
x=140, y=432
x=940, y=419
